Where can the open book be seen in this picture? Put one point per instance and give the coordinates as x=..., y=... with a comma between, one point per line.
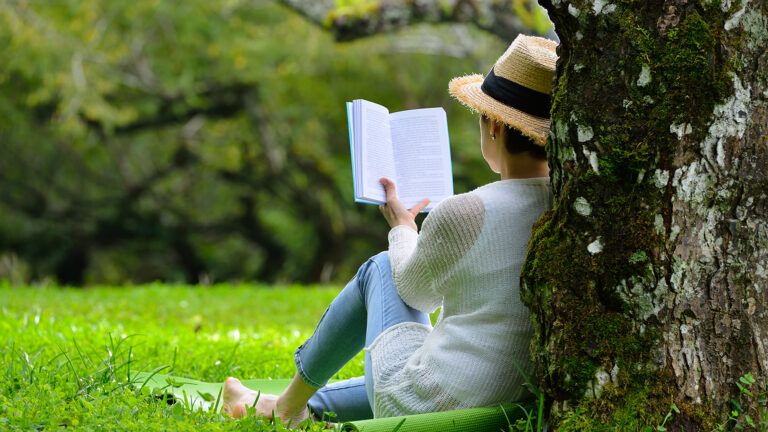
x=410, y=147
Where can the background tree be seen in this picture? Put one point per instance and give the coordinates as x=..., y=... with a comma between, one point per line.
x=203, y=140
x=351, y=19
x=648, y=279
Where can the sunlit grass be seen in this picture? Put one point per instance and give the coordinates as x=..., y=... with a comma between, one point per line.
x=66, y=354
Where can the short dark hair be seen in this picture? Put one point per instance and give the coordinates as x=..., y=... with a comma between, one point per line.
x=517, y=143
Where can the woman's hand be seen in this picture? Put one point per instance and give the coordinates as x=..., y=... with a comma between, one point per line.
x=394, y=211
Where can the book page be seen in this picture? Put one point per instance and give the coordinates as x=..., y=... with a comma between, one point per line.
x=422, y=156
x=377, y=159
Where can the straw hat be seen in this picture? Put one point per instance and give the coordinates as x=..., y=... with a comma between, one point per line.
x=517, y=89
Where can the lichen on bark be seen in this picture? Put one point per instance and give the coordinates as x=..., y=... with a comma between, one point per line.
x=653, y=106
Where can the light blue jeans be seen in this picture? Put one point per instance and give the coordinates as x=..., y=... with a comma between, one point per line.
x=368, y=305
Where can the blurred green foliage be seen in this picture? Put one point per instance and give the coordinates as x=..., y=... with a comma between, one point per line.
x=201, y=140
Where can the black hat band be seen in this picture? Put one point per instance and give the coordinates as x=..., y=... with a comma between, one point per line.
x=517, y=96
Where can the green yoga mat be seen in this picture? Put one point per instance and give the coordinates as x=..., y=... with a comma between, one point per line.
x=199, y=394
x=491, y=419
x=203, y=395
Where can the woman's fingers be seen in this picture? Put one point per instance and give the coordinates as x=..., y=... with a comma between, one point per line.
x=389, y=188
x=393, y=203
x=394, y=211
x=419, y=207
x=391, y=192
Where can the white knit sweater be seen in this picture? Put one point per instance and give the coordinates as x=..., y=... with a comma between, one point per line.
x=467, y=258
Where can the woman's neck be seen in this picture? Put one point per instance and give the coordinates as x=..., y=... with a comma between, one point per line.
x=522, y=166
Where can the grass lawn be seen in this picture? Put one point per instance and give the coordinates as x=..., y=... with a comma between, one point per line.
x=65, y=354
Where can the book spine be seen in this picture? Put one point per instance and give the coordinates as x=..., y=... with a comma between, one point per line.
x=352, y=148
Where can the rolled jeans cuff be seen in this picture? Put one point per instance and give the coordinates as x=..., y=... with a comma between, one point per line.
x=302, y=373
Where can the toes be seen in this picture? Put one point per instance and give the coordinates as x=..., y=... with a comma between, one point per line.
x=238, y=411
x=232, y=389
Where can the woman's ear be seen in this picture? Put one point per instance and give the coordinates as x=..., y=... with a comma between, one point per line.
x=495, y=128
x=489, y=144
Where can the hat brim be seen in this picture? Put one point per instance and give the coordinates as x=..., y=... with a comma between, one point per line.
x=466, y=89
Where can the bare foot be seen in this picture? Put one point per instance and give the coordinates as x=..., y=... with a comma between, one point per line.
x=237, y=398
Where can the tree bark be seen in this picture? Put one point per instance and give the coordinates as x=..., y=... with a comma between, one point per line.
x=648, y=280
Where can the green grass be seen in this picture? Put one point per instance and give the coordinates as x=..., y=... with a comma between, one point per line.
x=65, y=354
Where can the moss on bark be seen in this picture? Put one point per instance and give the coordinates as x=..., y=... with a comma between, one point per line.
x=631, y=82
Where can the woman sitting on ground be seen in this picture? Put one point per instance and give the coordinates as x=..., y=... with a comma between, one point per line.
x=466, y=259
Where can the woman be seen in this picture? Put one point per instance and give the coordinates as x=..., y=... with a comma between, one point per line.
x=466, y=259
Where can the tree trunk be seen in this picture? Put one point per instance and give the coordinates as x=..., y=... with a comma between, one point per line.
x=648, y=281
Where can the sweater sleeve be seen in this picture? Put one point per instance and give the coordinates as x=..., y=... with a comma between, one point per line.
x=420, y=261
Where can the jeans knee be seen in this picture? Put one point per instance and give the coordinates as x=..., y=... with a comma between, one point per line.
x=375, y=269
x=381, y=258
x=381, y=262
